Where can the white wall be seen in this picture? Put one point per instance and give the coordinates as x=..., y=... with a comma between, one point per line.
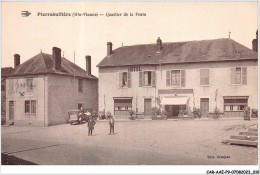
x=220, y=80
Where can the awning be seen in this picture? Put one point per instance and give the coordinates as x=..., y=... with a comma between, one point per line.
x=174, y=101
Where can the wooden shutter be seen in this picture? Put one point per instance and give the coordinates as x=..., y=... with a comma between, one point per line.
x=129, y=79
x=140, y=79
x=232, y=75
x=244, y=75
x=183, y=78
x=120, y=79
x=168, y=78
x=153, y=78
x=211, y=76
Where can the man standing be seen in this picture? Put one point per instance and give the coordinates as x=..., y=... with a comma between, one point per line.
x=112, y=125
x=91, y=124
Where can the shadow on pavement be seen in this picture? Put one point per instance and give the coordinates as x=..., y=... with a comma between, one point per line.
x=12, y=160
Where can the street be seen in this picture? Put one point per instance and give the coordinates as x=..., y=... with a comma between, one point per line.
x=137, y=142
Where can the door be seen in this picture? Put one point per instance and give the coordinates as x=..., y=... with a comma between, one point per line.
x=204, y=106
x=11, y=110
x=147, y=106
x=175, y=110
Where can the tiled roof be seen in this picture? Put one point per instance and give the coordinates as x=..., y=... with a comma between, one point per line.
x=43, y=63
x=179, y=52
x=5, y=71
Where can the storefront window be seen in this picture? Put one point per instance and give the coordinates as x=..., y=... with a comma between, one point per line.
x=235, y=103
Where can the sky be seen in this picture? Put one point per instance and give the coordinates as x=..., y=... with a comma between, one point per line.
x=88, y=35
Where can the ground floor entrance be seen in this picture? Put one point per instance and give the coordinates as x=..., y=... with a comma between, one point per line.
x=147, y=106
x=11, y=110
x=174, y=110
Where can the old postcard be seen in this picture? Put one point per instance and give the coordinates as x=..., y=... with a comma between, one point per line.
x=130, y=83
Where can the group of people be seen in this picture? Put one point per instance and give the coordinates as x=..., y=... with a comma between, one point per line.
x=91, y=123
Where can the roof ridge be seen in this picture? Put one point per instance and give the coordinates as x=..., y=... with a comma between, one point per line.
x=175, y=42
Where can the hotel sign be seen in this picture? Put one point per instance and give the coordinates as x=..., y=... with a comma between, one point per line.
x=134, y=69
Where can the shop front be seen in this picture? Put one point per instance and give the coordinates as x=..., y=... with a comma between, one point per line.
x=122, y=106
x=234, y=105
x=174, y=105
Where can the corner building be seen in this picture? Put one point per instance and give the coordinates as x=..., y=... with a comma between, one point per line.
x=42, y=90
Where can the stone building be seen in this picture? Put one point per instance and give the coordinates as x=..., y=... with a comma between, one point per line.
x=178, y=76
x=42, y=90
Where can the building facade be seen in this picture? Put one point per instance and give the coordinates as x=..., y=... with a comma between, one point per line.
x=179, y=76
x=6, y=71
x=42, y=90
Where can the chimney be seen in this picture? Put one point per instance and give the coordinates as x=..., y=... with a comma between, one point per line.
x=255, y=43
x=16, y=60
x=56, y=54
x=159, y=44
x=109, y=48
x=88, y=64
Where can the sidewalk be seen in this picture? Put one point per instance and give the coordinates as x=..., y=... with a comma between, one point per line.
x=171, y=119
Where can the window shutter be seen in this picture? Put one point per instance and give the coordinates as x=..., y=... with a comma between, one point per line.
x=232, y=75
x=211, y=76
x=168, y=78
x=120, y=79
x=153, y=78
x=198, y=78
x=183, y=78
x=140, y=79
x=244, y=75
x=129, y=79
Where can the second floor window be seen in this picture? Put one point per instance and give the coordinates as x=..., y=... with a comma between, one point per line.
x=125, y=79
x=175, y=78
x=204, y=76
x=238, y=75
x=147, y=78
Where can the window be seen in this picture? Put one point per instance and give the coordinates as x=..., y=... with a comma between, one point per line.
x=238, y=75
x=147, y=78
x=235, y=103
x=30, y=106
x=27, y=106
x=80, y=85
x=33, y=106
x=204, y=76
x=122, y=106
x=124, y=79
x=175, y=78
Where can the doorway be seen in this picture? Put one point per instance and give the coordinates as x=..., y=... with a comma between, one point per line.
x=11, y=110
x=173, y=110
x=204, y=107
x=147, y=106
